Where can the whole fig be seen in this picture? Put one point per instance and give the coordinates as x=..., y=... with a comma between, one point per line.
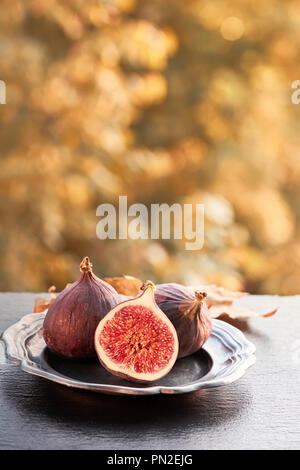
x=188, y=311
x=72, y=318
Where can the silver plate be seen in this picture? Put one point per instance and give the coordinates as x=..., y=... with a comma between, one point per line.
x=222, y=360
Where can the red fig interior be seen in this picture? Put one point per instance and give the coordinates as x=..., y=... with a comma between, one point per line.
x=137, y=342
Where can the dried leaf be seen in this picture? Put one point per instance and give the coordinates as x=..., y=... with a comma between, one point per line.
x=236, y=312
x=41, y=303
x=270, y=314
x=126, y=285
x=219, y=295
x=221, y=304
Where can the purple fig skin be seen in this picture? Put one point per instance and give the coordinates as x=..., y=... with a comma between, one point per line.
x=189, y=314
x=72, y=318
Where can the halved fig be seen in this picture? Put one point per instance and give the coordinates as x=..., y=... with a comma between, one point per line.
x=136, y=340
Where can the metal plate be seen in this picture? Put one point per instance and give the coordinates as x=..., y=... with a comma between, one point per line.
x=222, y=360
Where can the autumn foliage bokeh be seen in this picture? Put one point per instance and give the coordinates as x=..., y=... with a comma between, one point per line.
x=184, y=101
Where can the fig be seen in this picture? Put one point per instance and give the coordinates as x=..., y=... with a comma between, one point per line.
x=136, y=341
x=72, y=318
x=188, y=311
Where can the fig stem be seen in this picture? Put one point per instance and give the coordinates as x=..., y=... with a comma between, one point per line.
x=148, y=284
x=86, y=265
x=200, y=295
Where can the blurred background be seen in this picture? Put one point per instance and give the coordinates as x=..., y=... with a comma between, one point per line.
x=175, y=101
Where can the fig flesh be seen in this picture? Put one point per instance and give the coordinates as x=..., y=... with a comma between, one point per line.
x=73, y=316
x=136, y=340
x=188, y=311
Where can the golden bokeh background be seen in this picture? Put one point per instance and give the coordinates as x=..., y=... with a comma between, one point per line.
x=175, y=101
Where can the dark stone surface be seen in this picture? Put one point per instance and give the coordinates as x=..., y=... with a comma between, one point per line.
x=260, y=411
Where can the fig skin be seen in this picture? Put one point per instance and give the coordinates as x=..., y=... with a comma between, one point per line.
x=132, y=340
x=72, y=318
x=189, y=313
